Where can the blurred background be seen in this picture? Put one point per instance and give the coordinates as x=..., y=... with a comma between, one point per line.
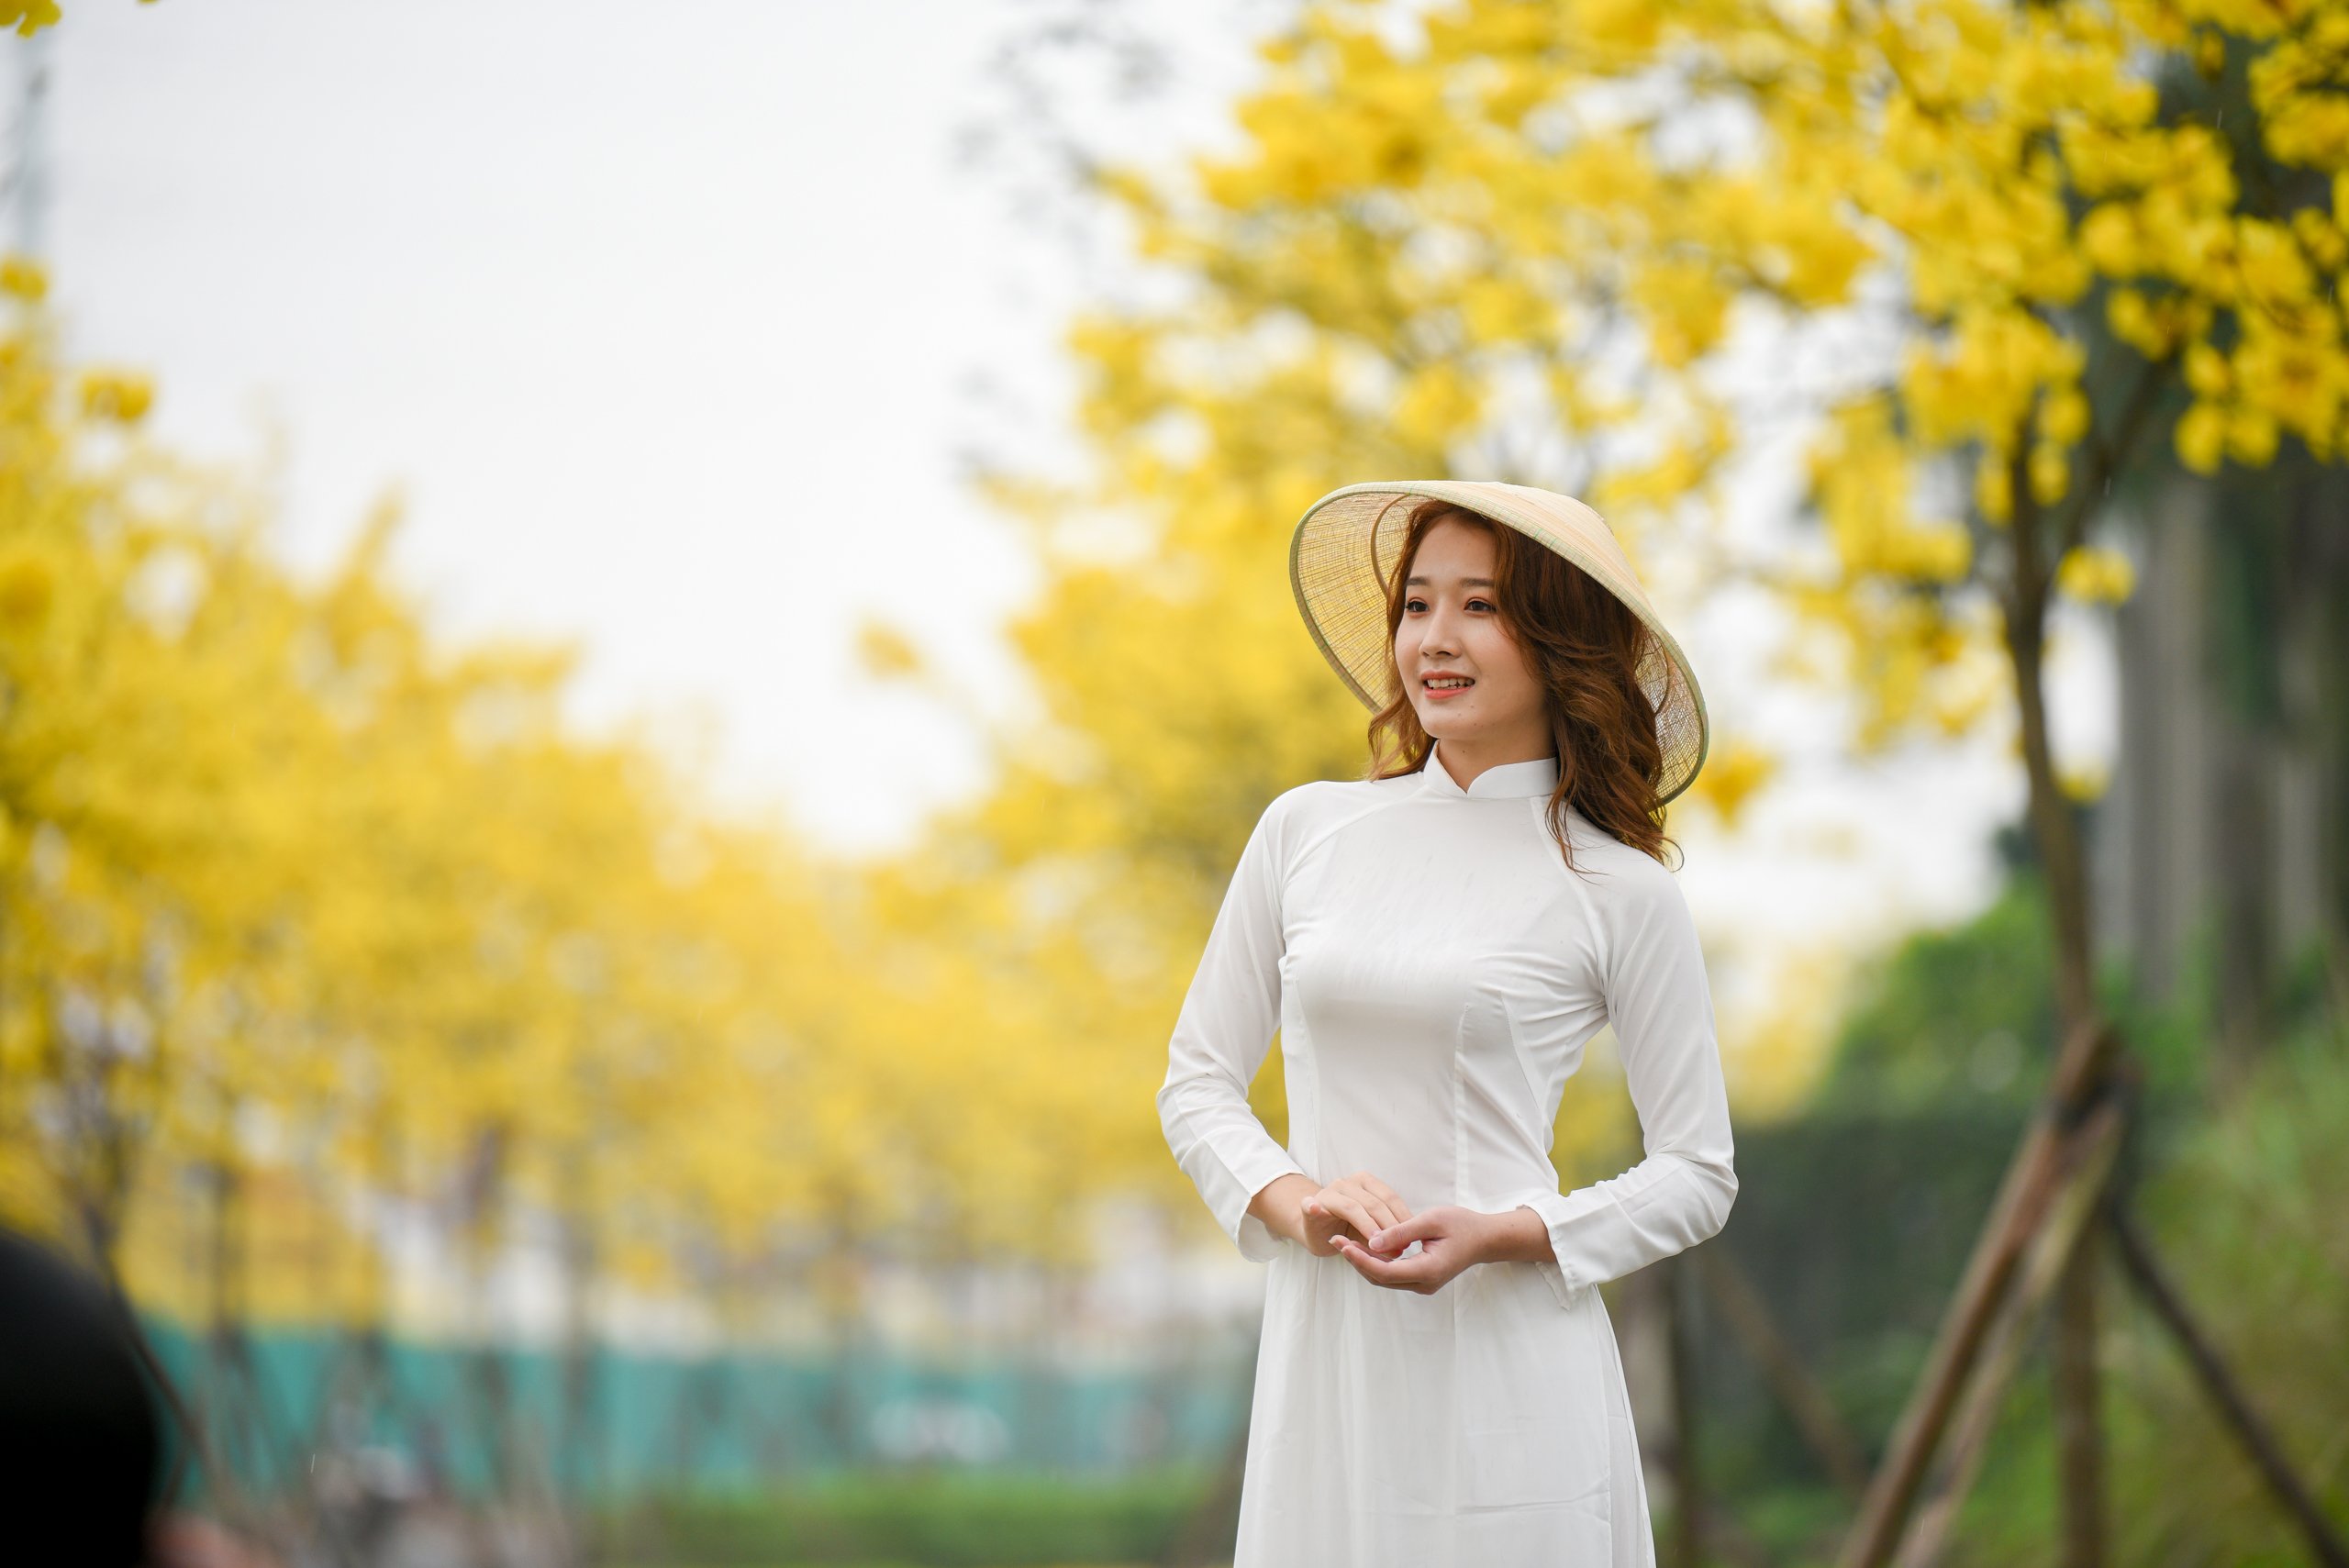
x=635, y=643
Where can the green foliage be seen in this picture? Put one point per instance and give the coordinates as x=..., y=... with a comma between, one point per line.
x=1955, y=1016
x=1967, y=1015
x=940, y=1519
x=2247, y=1217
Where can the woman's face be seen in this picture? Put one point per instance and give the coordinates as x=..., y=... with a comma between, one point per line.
x=1452, y=628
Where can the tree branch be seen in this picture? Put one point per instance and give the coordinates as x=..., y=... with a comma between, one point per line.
x=2106, y=458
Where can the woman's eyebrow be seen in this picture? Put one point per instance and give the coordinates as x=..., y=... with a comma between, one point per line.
x=1464, y=582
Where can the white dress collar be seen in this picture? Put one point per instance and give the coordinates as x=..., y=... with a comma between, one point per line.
x=1537, y=775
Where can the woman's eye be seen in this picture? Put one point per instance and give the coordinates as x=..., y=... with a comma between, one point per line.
x=1487, y=603
x=1415, y=604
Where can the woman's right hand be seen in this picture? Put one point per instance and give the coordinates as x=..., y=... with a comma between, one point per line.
x=1358, y=1207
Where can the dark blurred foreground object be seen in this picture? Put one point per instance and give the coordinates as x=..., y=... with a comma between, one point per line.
x=186, y=1541
x=81, y=1443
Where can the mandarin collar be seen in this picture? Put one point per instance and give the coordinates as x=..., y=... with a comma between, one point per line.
x=1502, y=780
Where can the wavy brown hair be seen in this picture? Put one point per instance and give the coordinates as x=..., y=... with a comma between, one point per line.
x=1584, y=646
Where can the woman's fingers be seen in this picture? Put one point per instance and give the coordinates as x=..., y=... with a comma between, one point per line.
x=1420, y=1274
x=1364, y=1201
x=1349, y=1209
x=1377, y=1198
x=1394, y=1199
x=1403, y=1232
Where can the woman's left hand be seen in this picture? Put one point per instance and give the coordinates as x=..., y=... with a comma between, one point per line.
x=1451, y=1239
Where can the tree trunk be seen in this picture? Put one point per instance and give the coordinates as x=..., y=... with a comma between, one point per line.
x=2079, y=1407
x=2074, y=1336
x=2053, y=826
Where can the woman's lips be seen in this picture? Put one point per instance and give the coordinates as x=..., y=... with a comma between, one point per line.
x=1438, y=694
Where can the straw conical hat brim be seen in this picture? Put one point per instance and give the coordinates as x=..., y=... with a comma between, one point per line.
x=1346, y=550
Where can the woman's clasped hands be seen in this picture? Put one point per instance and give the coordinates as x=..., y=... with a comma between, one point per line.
x=1367, y=1221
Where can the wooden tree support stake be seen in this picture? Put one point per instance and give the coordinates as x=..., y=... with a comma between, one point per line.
x=2059, y=1179
x=2015, y=1215
x=2267, y=1455
x=2088, y=1159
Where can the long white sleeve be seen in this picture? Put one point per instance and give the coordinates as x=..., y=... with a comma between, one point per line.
x=1221, y=1034
x=1662, y=1007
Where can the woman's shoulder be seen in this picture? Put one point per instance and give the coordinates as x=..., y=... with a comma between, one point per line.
x=1619, y=873
x=1298, y=812
x=1322, y=796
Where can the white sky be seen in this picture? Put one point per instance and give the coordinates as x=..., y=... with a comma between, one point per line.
x=662, y=320
x=665, y=319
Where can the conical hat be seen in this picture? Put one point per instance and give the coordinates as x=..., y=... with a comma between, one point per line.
x=1346, y=550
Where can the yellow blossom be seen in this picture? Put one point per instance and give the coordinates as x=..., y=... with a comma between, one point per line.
x=2095, y=575
x=122, y=395
x=23, y=277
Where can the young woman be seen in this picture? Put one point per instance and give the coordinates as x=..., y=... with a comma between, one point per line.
x=1436, y=1384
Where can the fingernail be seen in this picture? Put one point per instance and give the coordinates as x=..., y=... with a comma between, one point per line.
x=1378, y=1239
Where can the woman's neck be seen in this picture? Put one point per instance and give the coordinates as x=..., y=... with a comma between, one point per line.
x=1465, y=758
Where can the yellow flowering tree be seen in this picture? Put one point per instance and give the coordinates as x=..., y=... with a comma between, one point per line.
x=1985, y=250
x=1981, y=267
x=1986, y=261
x=303, y=910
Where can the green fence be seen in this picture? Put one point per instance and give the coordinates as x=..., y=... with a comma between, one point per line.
x=613, y=1424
